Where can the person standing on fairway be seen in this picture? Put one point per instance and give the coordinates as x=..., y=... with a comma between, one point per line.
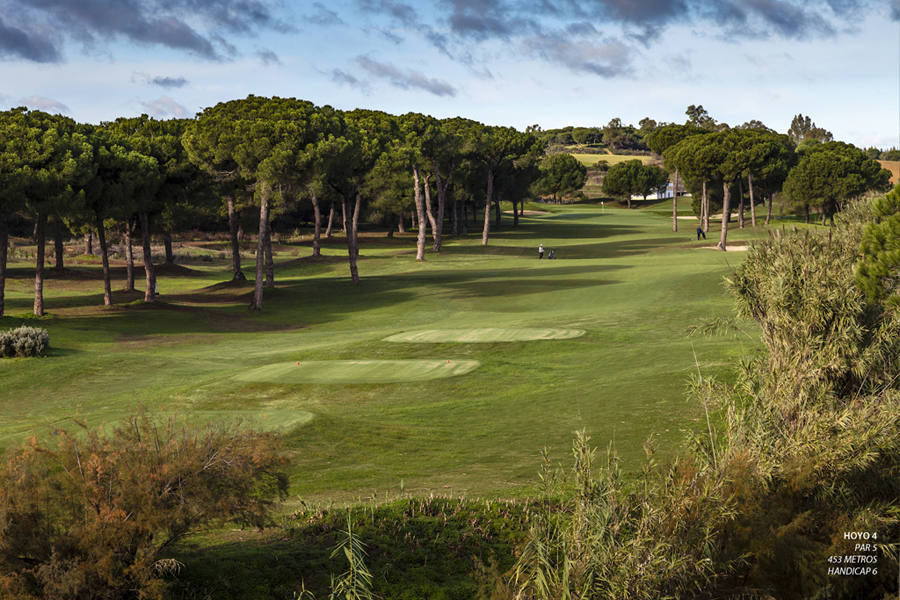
x=700, y=232
x=540, y=251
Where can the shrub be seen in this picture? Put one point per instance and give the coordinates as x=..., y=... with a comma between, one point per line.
x=24, y=341
x=94, y=515
x=803, y=448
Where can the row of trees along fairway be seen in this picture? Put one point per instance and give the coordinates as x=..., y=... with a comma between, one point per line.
x=265, y=154
x=270, y=156
x=715, y=161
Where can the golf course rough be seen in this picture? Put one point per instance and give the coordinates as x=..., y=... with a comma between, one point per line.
x=486, y=335
x=357, y=371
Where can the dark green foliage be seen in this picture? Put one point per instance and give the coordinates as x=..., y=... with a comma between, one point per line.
x=666, y=136
x=24, y=341
x=568, y=136
x=633, y=178
x=829, y=174
x=878, y=271
x=699, y=117
x=620, y=137
x=561, y=175
x=94, y=515
x=597, y=535
x=440, y=548
x=812, y=426
x=803, y=129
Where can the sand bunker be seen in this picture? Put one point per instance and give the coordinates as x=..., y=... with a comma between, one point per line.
x=358, y=371
x=491, y=334
x=738, y=248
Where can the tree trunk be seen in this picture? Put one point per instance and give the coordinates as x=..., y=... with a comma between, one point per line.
x=344, y=217
x=823, y=217
x=426, y=186
x=628, y=199
x=419, y=217
x=40, y=226
x=349, y=229
x=497, y=214
x=806, y=208
x=58, y=247
x=522, y=209
x=437, y=229
x=237, y=274
x=455, y=216
x=769, y=209
x=726, y=215
x=515, y=214
x=270, y=263
x=4, y=243
x=401, y=223
x=88, y=245
x=356, y=224
x=129, y=255
x=167, y=242
x=318, y=233
x=741, y=204
x=330, y=221
x=104, y=255
x=752, y=203
x=150, y=274
x=264, y=193
x=674, y=203
x=704, y=210
x=487, y=208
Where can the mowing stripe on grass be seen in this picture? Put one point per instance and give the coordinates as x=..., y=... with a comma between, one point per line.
x=358, y=371
x=490, y=334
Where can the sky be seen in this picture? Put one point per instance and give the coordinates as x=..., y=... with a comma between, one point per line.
x=501, y=62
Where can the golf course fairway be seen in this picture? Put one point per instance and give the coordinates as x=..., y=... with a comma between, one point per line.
x=485, y=335
x=597, y=340
x=358, y=371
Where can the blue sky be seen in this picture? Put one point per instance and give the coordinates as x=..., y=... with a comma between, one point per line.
x=510, y=62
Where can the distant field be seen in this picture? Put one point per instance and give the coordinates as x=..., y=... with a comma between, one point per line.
x=589, y=160
x=894, y=167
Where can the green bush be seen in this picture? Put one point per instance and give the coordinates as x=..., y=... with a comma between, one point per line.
x=94, y=513
x=24, y=341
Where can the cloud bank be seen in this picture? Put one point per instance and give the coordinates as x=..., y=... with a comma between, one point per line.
x=37, y=30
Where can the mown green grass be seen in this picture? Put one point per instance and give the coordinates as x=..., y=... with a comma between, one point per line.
x=489, y=334
x=622, y=276
x=358, y=371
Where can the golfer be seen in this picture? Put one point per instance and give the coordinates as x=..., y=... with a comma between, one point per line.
x=700, y=232
x=540, y=251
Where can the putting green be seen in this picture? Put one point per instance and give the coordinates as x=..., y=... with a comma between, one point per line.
x=358, y=371
x=490, y=334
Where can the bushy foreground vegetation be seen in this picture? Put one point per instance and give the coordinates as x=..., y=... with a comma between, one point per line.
x=805, y=447
x=95, y=514
x=24, y=341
